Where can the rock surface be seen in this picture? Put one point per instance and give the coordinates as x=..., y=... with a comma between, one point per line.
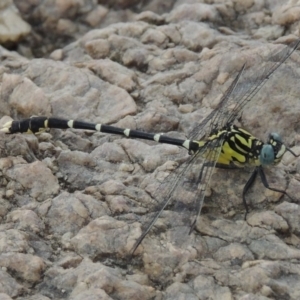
x=12, y=27
x=72, y=202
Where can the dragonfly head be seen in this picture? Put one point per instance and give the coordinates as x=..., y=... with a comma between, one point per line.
x=272, y=151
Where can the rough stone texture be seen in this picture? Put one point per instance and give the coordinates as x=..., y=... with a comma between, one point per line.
x=72, y=203
x=9, y=287
x=12, y=27
x=24, y=266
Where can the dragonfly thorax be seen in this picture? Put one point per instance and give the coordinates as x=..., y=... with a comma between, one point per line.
x=272, y=152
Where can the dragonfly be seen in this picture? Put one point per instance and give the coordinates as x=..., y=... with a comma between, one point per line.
x=216, y=142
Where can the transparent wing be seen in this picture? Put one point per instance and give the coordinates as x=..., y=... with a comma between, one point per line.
x=166, y=197
x=244, y=88
x=253, y=80
x=180, y=192
x=183, y=191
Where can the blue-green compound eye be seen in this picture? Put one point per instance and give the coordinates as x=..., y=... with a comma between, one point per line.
x=267, y=155
x=276, y=137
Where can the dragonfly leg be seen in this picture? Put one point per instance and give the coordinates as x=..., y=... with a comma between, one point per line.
x=246, y=188
x=266, y=184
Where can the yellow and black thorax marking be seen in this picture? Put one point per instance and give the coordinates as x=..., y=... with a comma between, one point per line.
x=240, y=148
